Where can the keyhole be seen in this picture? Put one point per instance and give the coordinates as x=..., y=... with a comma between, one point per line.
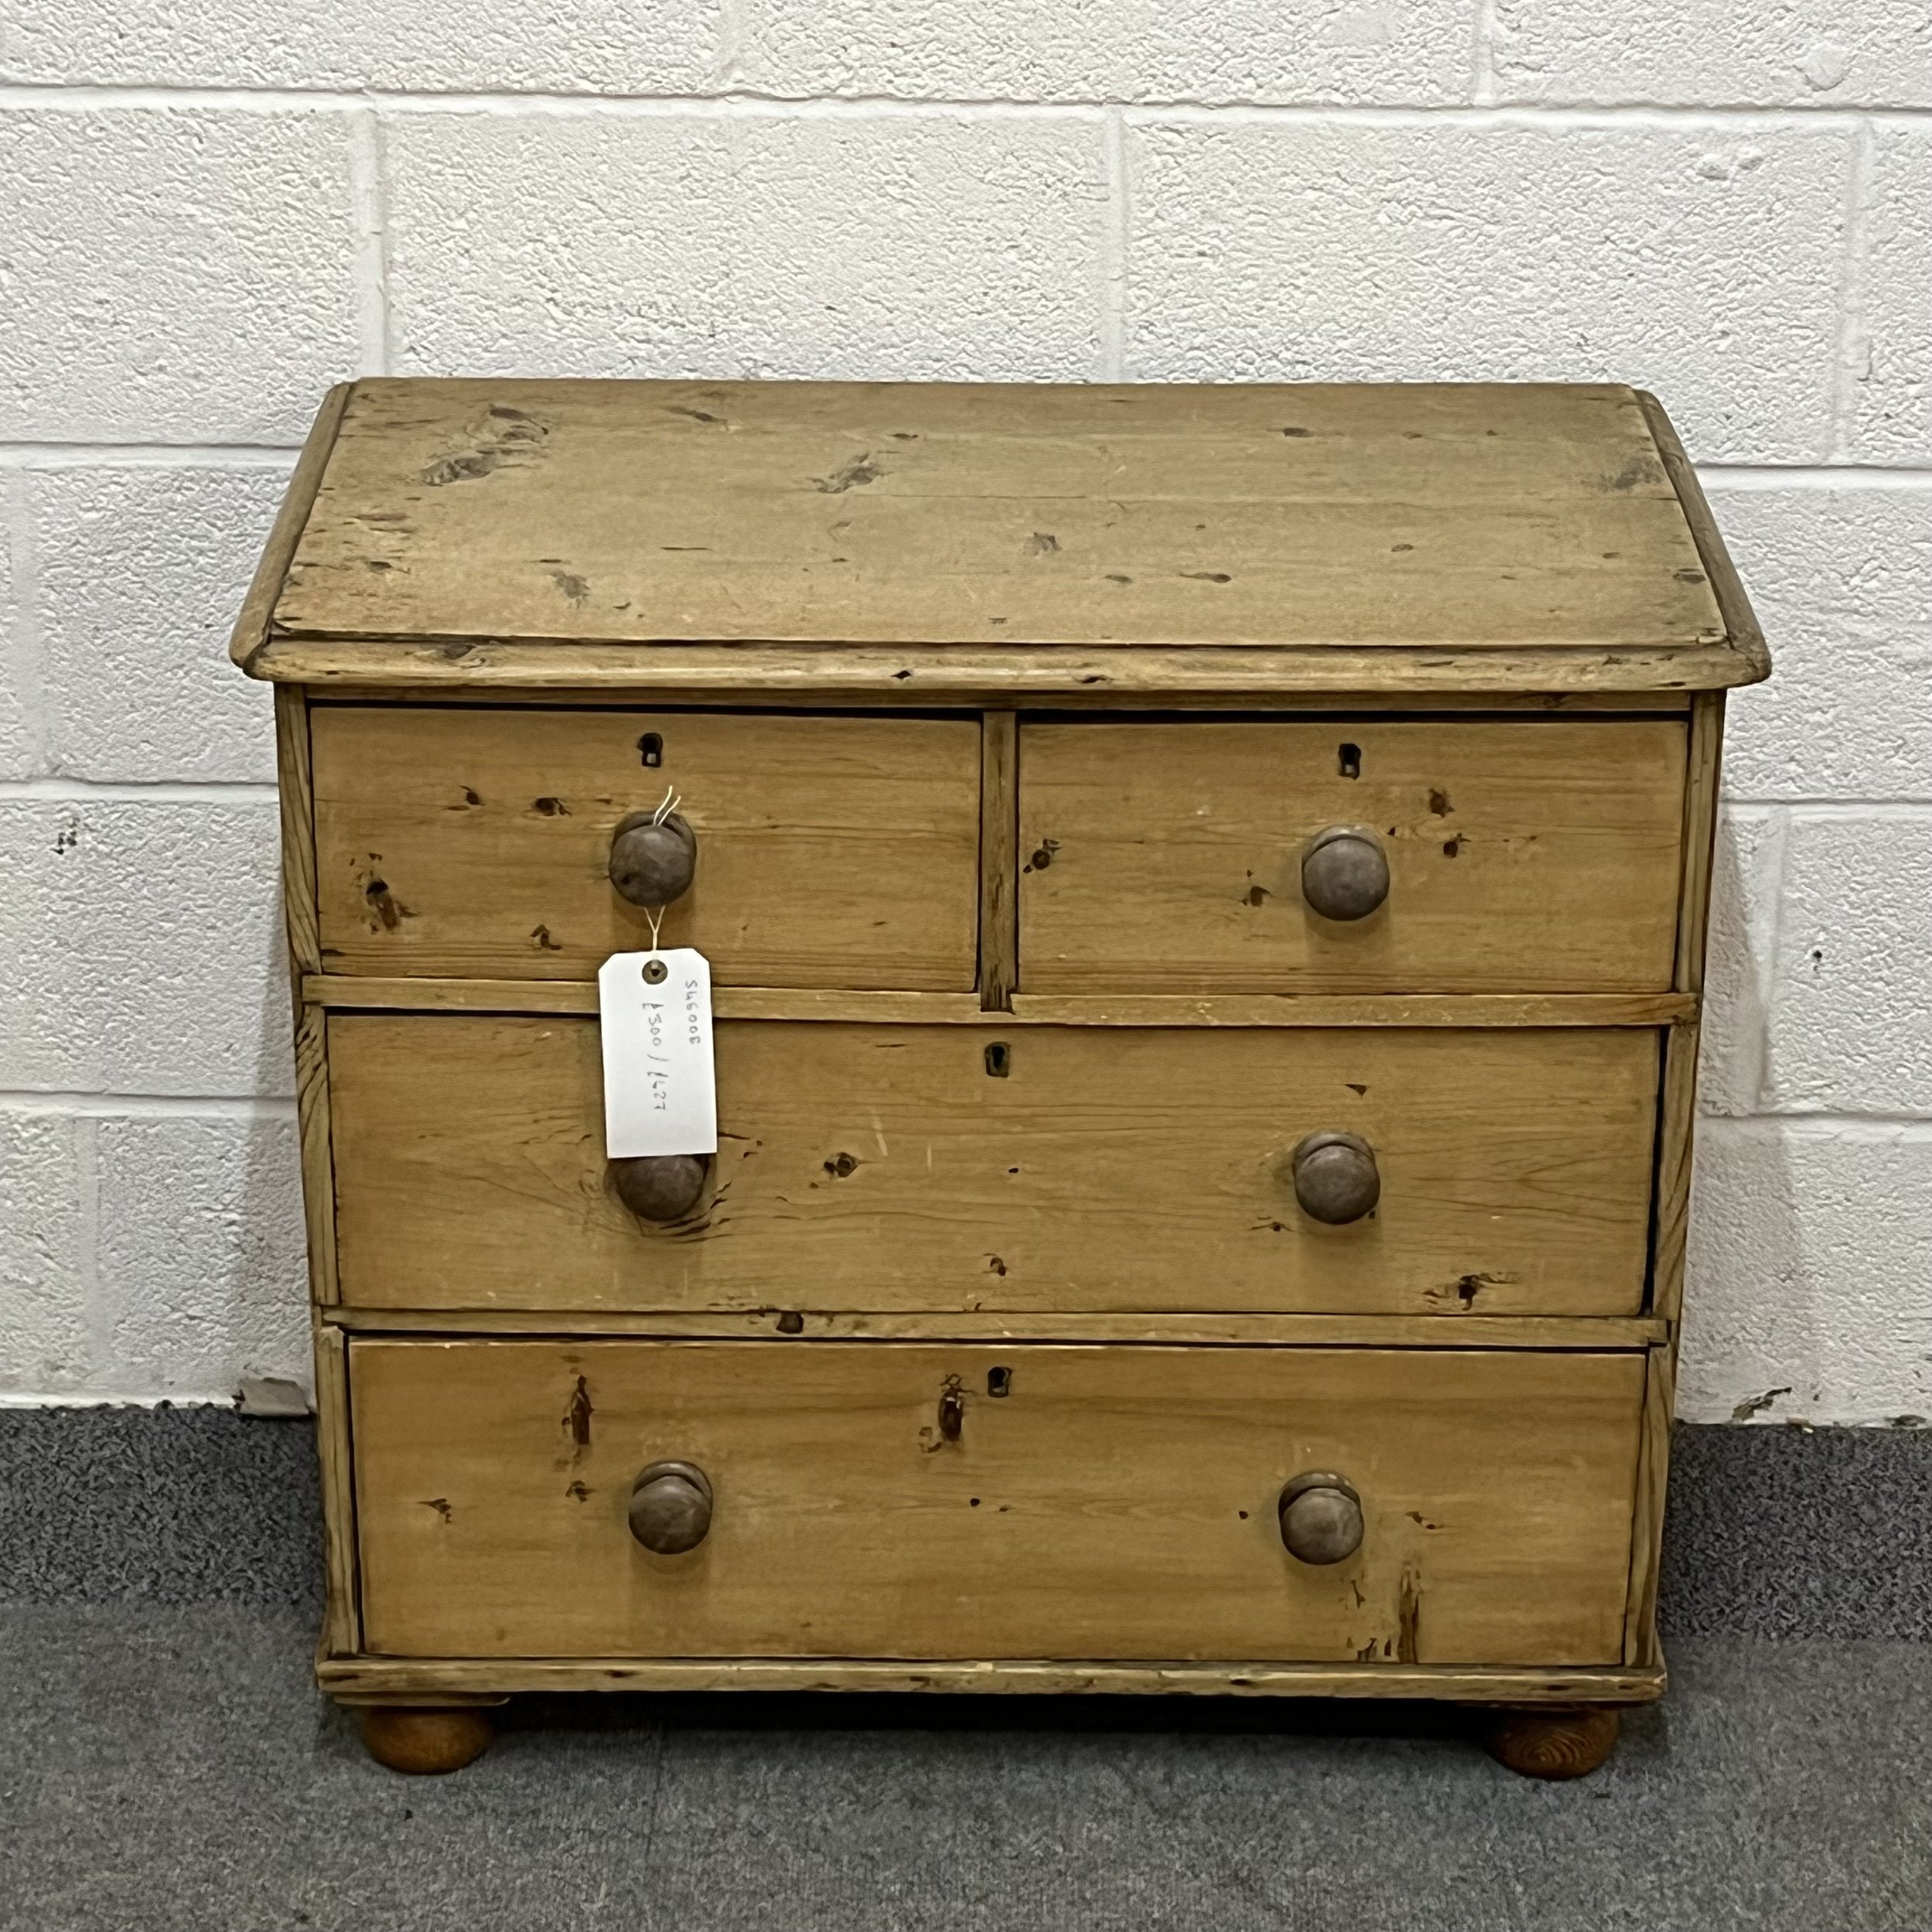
x=1348, y=761
x=652, y=746
x=998, y=1060
x=999, y=1381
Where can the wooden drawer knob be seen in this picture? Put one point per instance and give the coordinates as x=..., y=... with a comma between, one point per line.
x=670, y=1508
x=1320, y=1518
x=659, y=1187
x=1345, y=873
x=1335, y=1177
x=653, y=860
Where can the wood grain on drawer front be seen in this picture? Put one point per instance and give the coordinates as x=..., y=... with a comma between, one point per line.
x=832, y=851
x=882, y=1167
x=1524, y=856
x=1115, y=1503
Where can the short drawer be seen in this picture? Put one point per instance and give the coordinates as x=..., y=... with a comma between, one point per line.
x=933, y=1501
x=1520, y=856
x=1037, y=1167
x=466, y=843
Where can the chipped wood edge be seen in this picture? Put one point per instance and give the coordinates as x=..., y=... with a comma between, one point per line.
x=341, y=1630
x=1196, y=676
x=1385, y=1010
x=1703, y=779
x=1677, y=1098
x=318, y=1153
x=351, y=992
x=1182, y=1328
x=1740, y=622
x=294, y=777
x=1322, y=704
x=1676, y=1136
x=999, y=859
x=365, y=1677
x=1641, y=1648
x=357, y=992
x=249, y=638
x=1677, y=1108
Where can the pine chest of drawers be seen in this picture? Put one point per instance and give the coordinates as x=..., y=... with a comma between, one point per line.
x=1205, y=889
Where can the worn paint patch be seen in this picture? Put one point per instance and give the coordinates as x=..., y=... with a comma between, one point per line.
x=1408, y=1617
x=1638, y=471
x=1466, y=1287
x=387, y=911
x=502, y=438
x=859, y=471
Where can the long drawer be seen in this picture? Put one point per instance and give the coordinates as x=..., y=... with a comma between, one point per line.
x=881, y=1500
x=838, y=852
x=1532, y=855
x=1038, y=1168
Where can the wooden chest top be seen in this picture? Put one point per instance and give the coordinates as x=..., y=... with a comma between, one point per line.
x=1098, y=541
x=1205, y=1069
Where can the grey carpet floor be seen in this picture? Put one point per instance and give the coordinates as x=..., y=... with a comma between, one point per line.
x=166, y=1766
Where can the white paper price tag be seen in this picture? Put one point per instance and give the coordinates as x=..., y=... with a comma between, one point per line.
x=660, y=1084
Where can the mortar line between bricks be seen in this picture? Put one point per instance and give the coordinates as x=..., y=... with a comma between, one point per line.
x=368, y=203
x=51, y=455
x=1851, y=344
x=1813, y=810
x=1114, y=253
x=89, y=95
x=1482, y=54
x=727, y=67
x=20, y=649
x=162, y=791
x=25, y=452
x=119, y=1107
x=1764, y=929
x=97, y=1321
x=1741, y=477
x=1912, y=1127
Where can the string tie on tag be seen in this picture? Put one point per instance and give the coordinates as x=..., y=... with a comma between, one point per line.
x=669, y=804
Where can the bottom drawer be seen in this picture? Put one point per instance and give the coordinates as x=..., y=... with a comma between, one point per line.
x=872, y=1499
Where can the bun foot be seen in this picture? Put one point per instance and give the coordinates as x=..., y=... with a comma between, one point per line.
x=425, y=1741
x=1554, y=1743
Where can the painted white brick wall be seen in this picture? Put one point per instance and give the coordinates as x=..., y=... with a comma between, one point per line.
x=215, y=210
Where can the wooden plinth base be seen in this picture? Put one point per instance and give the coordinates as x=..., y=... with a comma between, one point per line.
x=426, y=1742
x=1554, y=1743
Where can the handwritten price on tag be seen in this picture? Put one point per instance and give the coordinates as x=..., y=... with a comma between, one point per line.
x=660, y=1082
